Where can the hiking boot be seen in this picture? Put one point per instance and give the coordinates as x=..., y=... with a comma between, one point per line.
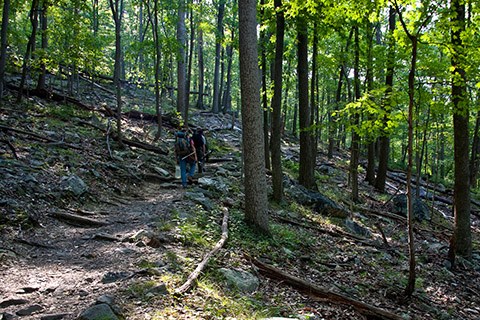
x=190, y=180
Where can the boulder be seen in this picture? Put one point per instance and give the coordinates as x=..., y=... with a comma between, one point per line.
x=241, y=280
x=100, y=311
x=421, y=211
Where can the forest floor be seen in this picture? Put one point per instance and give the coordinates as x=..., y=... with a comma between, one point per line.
x=84, y=220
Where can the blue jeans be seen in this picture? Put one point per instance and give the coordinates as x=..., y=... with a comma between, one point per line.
x=183, y=170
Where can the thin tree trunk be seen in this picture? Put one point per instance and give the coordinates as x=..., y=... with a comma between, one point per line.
x=384, y=139
x=30, y=48
x=411, y=241
x=475, y=155
x=117, y=8
x=190, y=59
x=3, y=46
x=355, y=144
x=313, y=97
x=370, y=174
x=227, y=97
x=277, y=173
x=201, y=69
x=264, y=38
x=218, y=46
x=44, y=25
x=306, y=171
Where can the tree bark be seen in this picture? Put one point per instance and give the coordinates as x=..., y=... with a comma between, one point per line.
x=355, y=145
x=181, y=65
x=461, y=241
x=44, y=25
x=3, y=45
x=256, y=202
x=275, y=144
x=30, y=47
x=201, y=68
x=475, y=155
x=306, y=174
x=384, y=139
x=194, y=275
x=117, y=8
x=218, y=46
x=369, y=311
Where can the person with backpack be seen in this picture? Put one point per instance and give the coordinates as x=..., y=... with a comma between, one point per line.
x=200, y=148
x=186, y=156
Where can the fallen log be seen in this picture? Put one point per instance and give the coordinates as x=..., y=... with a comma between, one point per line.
x=334, y=233
x=194, y=275
x=78, y=220
x=369, y=311
x=40, y=137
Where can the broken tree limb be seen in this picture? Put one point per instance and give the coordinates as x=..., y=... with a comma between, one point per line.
x=40, y=137
x=78, y=220
x=194, y=275
x=369, y=311
x=333, y=233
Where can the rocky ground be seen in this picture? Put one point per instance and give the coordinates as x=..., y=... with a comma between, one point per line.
x=93, y=231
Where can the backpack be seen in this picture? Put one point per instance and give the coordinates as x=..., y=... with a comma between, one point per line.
x=198, y=140
x=183, y=146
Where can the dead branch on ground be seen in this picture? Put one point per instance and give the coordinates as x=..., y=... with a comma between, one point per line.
x=194, y=275
x=369, y=311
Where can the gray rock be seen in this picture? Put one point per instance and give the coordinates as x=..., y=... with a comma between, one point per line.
x=318, y=201
x=12, y=302
x=357, y=229
x=159, y=290
x=421, y=212
x=200, y=198
x=241, y=280
x=73, y=184
x=100, y=311
x=215, y=184
x=110, y=277
x=29, y=310
x=56, y=316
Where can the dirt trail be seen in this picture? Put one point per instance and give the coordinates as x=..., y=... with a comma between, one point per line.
x=62, y=269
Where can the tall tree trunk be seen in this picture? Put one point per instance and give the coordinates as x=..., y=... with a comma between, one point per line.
x=355, y=146
x=475, y=155
x=277, y=173
x=95, y=19
x=313, y=98
x=201, y=68
x=117, y=8
x=264, y=38
x=256, y=202
x=190, y=58
x=44, y=25
x=30, y=47
x=218, y=46
x=227, y=96
x=384, y=139
x=461, y=241
x=3, y=45
x=307, y=173
x=153, y=18
x=181, y=63
x=370, y=174
x=332, y=125
x=411, y=241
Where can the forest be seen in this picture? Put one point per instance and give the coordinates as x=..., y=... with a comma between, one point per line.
x=342, y=182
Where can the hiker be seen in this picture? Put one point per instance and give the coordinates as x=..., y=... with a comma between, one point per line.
x=186, y=156
x=200, y=148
